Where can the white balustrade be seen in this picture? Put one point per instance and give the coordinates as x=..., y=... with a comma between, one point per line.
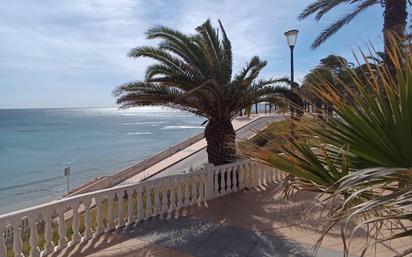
x=163, y=196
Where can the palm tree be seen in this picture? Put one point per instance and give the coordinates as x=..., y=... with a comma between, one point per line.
x=194, y=73
x=395, y=15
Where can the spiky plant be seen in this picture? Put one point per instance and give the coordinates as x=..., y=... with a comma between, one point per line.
x=194, y=73
x=359, y=159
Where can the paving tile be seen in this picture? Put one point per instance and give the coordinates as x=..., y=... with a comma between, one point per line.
x=266, y=252
x=229, y=231
x=220, y=241
x=239, y=246
x=189, y=247
x=228, y=253
x=208, y=251
x=248, y=235
x=200, y=236
x=271, y=242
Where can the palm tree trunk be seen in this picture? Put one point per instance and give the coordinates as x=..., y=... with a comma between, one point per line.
x=220, y=137
x=395, y=15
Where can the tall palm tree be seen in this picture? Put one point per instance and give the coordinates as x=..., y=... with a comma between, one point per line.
x=194, y=73
x=395, y=15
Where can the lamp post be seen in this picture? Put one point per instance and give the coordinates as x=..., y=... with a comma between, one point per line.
x=291, y=36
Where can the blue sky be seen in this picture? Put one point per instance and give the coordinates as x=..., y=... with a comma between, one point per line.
x=72, y=53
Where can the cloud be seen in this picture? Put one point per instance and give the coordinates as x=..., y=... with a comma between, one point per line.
x=74, y=52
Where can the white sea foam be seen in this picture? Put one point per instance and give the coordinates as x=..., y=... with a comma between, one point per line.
x=138, y=133
x=144, y=122
x=182, y=127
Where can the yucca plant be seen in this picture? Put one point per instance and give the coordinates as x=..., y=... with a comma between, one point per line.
x=194, y=73
x=360, y=157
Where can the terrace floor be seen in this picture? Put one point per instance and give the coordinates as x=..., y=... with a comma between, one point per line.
x=254, y=223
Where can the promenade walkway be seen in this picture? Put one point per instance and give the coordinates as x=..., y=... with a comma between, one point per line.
x=180, y=161
x=253, y=223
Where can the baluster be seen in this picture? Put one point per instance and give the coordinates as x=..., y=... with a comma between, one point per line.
x=17, y=241
x=268, y=175
x=235, y=175
x=120, y=199
x=216, y=181
x=110, y=218
x=62, y=228
x=99, y=216
x=165, y=206
x=172, y=199
x=179, y=195
x=251, y=174
x=130, y=216
x=258, y=175
x=75, y=224
x=194, y=190
x=34, y=238
x=187, y=192
x=241, y=179
x=149, y=211
x=140, y=213
x=48, y=234
x=229, y=179
x=88, y=233
x=157, y=207
x=222, y=182
x=202, y=183
x=3, y=249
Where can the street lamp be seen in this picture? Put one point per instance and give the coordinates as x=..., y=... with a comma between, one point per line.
x=291, y=37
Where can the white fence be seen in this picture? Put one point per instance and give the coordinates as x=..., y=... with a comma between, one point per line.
x=126, y=205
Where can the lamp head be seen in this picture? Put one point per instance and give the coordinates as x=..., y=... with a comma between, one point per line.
x=291, y=36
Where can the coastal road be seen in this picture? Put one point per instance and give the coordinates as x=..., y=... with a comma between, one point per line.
x=197, y=159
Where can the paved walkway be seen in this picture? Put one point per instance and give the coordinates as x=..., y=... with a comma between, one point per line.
x=176, y=158
x=253, y=223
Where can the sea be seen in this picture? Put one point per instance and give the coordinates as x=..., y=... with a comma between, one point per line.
x=36, y=145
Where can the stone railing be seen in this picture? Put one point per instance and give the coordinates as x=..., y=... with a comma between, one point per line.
x=131, y=171
x=105, y=210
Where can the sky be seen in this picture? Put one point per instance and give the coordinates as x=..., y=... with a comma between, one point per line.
x=73, y=53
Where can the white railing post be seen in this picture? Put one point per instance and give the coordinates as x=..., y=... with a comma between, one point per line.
x=76, y=238
x=149, y=210
x=88, y=233
x=172, y=199
x=209, y=183
x=157, y=207
x=140, y=211
x=17, y=241
x=3, y=249
x=187, y=192
x=110, y=215
x=62, y=228
x=48, y=234
x=99, y=216
x=130, y=216
x=34, y=238
x=120, y=199
x=165, y=207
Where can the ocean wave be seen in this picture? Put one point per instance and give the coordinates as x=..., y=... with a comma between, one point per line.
x=138, y=133
x=182, y=127
x=144, y=122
